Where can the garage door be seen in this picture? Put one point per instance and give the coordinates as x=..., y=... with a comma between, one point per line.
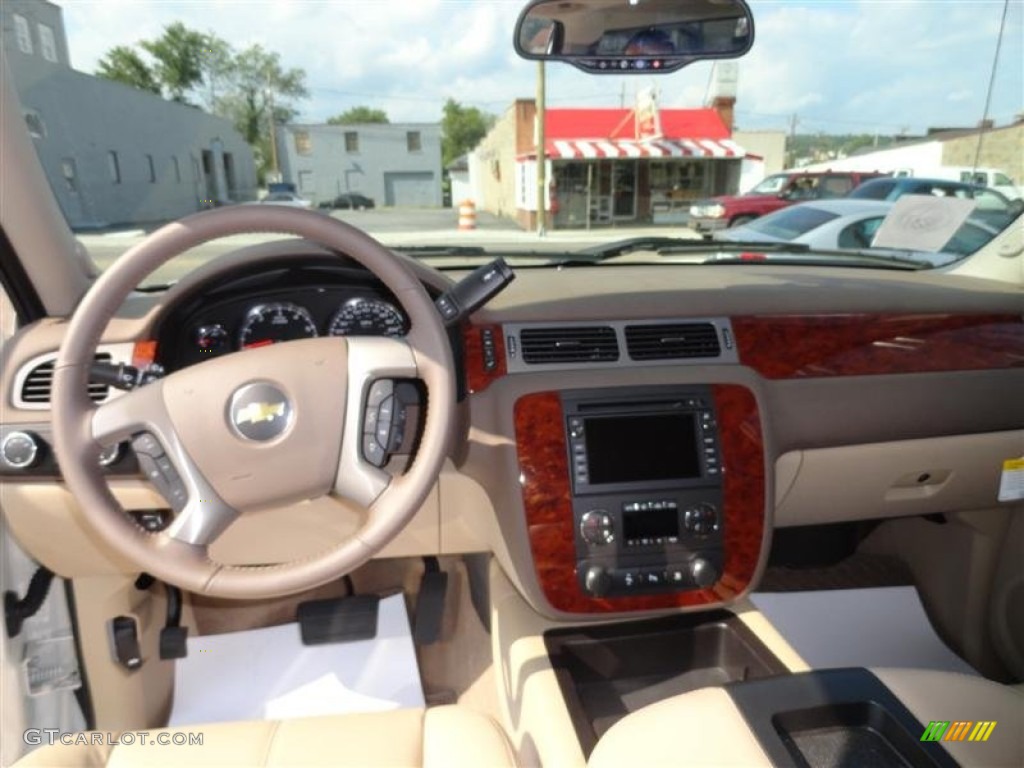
x=411, y=189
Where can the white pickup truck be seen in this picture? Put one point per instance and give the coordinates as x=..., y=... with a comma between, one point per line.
x=986, y=177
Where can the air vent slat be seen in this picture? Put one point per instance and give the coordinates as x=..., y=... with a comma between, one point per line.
x=569, y=344
x=39, y=383
x=669, y=341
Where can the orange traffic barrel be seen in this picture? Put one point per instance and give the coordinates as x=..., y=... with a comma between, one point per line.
x=467, y=215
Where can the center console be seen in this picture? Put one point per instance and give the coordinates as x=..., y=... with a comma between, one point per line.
x=642, y=498
x=646, y=489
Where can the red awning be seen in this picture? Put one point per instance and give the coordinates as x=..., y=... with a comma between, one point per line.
x=586, y=149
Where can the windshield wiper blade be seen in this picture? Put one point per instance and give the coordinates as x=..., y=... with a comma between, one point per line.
x=439, y=251
x=605, y=251
x=692, y=246
x=830, y=258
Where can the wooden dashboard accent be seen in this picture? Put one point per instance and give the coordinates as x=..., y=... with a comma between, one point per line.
x=798, y=346
x=478, y=375
x=540, y=442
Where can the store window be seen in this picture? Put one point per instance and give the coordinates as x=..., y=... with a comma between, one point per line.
x=413, y=141
x=351, y=141
x=674, y=185
x=303, y=143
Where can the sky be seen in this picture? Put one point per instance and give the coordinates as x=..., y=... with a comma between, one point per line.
x=839, y=66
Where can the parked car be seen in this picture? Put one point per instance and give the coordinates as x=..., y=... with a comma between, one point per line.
x=350, y=200
x=992, y=178
x=828, y=225
x=286, y=198
x=992, y=206
x=774, y=193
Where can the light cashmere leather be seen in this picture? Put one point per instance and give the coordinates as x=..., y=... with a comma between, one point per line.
x=440, y=737
x=705, y=728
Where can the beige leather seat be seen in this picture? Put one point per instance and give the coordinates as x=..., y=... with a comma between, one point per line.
x=705, y=727
x=451, y=737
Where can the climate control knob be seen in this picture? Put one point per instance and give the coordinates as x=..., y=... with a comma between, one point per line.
x=19, y=450
x=596, y=527
x=597, y=581
x=703, y=573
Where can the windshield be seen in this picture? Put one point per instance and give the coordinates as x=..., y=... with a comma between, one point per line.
x=416, y=121
x=772, y=185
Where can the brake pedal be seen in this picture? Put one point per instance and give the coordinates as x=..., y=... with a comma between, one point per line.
x=430, y=603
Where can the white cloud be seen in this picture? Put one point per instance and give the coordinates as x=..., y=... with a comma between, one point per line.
x=842, y=65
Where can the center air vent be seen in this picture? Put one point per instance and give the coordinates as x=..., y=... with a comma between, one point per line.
x=569, y=344
x=39, y=383
x=672, y=341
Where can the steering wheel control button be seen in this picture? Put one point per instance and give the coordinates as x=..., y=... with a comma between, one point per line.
x=259, y=411
x=146, y=444
x=20, y=450
x=379, y=390
x=373, y=452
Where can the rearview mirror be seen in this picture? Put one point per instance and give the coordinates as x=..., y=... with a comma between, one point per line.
x=634, y=36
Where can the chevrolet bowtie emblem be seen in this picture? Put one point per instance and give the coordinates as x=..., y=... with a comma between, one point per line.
x=260, y=411
x=254, y=413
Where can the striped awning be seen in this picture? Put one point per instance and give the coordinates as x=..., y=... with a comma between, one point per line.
x=585, y=149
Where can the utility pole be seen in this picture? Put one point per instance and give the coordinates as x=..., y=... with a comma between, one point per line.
x=542, y=186
x=275, y=170
x=793, y=120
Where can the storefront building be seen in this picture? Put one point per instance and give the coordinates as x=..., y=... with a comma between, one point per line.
x=609, y=166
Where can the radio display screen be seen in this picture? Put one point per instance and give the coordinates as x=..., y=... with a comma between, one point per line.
x=641, y=448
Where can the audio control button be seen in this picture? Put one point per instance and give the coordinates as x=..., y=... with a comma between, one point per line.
x=597, y=527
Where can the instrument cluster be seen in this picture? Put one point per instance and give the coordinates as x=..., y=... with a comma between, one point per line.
x=254, y=319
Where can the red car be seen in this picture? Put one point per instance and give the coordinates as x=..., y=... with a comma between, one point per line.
x=775, y=192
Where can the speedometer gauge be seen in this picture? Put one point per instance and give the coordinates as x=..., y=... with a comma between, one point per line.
x=271, y=323
x=366, y=317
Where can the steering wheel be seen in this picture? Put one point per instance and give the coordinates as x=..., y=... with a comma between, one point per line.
x=262, y=427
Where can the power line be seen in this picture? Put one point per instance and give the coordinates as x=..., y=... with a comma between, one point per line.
x=991, y=82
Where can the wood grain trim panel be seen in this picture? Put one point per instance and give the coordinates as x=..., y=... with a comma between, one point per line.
x=478, y=378
x=792, y=346
x=540, y=442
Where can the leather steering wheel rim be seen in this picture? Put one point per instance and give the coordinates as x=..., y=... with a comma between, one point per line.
x=322, y=383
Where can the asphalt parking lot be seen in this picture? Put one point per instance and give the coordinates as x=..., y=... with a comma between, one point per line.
x=396, y=227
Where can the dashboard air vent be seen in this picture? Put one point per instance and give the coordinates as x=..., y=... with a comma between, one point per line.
x=569, y=344
x=39, y=383
x=671, y=341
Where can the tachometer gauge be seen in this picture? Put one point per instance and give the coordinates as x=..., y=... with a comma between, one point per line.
x=271, y=323
x=366, y=317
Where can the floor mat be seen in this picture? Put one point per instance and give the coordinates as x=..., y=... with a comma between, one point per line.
x=885, y=627
x=859, y=571
x=268, y=673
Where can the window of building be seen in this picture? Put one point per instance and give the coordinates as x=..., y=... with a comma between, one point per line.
x=414, y=141
x=69, y=171
x=47, y=45
x=23, y=33
x=305, y=181
x=303, y=143
x=152, y=169
x=351, y=141
x=177, y=169
x=36, y=126
x=114, y=165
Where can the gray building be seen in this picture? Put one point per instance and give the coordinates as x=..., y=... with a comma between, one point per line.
x=114, y=154
x=394, y=164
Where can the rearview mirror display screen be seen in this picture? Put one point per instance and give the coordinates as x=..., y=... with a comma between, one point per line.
x=642, y=448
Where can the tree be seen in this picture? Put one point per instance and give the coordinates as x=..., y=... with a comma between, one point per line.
x=355, y=115
x=256, y=83
x=178, y=54
x=124, y=65
x=462, y=128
